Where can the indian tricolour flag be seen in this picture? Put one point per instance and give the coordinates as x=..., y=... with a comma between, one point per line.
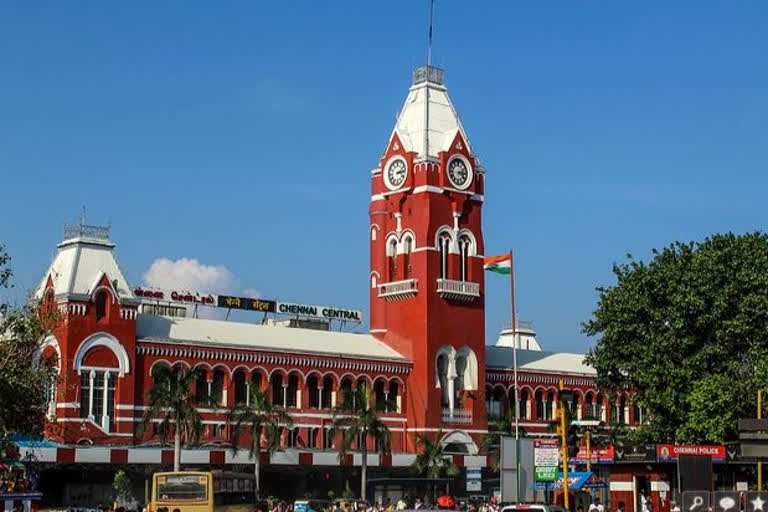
x=499, y=264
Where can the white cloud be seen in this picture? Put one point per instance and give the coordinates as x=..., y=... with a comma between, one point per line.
x=190, y=275
x=251, y=293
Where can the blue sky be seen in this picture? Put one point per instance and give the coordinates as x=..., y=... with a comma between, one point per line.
x=241, y=134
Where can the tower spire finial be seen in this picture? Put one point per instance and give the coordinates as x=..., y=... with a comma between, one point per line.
x=429, y=35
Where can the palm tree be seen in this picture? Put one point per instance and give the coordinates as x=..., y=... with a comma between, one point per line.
x=432, y=461
x=171, y=398
x=498, y=426
x=258, y=417
x=356, y=419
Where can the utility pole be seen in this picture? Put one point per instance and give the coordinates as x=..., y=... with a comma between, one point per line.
x=759, y=464
x=564, y=449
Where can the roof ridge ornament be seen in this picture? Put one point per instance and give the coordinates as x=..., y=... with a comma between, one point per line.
x=84, y=230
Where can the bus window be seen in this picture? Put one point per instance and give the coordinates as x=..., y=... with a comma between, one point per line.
x=180, y=487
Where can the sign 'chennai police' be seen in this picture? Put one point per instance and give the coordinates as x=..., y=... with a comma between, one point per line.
x=325, y=312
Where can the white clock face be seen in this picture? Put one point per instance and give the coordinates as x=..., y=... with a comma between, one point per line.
x=396, y=172
x=460, y=173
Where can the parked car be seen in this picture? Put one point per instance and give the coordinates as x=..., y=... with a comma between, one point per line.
x=532, y=507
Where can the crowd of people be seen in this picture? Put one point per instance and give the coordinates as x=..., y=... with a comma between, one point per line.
x=383, y=505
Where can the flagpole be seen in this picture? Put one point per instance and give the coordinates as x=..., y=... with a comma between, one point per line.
x=514, y=365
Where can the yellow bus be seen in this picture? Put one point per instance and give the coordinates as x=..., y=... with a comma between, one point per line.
x=201, y=491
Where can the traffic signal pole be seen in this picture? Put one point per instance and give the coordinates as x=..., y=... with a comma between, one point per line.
x=564, y=449
x=759, y=464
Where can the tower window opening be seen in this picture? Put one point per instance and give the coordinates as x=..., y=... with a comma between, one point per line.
x=461, y=368
x=442, y=375
x=443, y=248
x=464, y=248
x=408, y=249
x=101, y=305
x=392, y=259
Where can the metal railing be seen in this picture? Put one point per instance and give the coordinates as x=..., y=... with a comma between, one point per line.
x=463, y=416
x=397, y=290
x=458, y=290
x=521, y=324
x=86, y=231
x=428, y=74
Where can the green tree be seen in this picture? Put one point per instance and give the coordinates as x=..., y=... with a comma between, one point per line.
x=172, y=399
x=123, y=489
x=498, y=426
x=255, y=418
x=432, y=461
x=688, y=331
x=354, y=418
x=24, y=393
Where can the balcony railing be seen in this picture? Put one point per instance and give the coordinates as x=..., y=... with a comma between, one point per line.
x=398, y=290
x=463, y=416
x=460, y=291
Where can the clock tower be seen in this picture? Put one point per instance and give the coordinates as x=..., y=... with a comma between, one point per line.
x=426, y=281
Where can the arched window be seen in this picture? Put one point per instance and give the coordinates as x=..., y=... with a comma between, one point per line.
x=327, y=391
x=525, y=398
x=458, y=388
x=278, y=391
x=394, y=393
x=97, y=397
x=540, y=406
x=201, y=387
x=465, y=250
x=292, y=391
x=313, y=392
x=407, y=250
x=589, y=405
x=327, y=439
x=444, y=243
x=574, y=406
x=360, y=440
x=312, y=437
x=241, y=389
x=346, y=389
x=256, y=379
x=217, y=387
x=392, y=259
x=290, y=437
x=495, y=402
x=381, y=395
x=599, y=406
x=549, y=409
x=442, y=377
x=621, y=405
x=101, y=304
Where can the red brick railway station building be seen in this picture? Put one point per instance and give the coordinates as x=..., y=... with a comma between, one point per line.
x=425, y=353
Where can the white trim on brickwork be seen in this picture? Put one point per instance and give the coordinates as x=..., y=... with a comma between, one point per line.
x=621, y=486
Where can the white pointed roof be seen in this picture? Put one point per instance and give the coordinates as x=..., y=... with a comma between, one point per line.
x=80, y=263
x=428, y=111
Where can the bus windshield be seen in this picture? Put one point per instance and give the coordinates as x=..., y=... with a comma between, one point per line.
x=181, y=487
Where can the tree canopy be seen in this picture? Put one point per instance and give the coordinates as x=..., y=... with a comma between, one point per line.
x=24, y=383
x=688, y=332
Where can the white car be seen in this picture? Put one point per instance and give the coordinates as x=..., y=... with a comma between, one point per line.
x=532, y=507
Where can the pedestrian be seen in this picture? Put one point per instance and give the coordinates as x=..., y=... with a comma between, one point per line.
x=620, y=507
x=579, y=508
x=674, y=507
